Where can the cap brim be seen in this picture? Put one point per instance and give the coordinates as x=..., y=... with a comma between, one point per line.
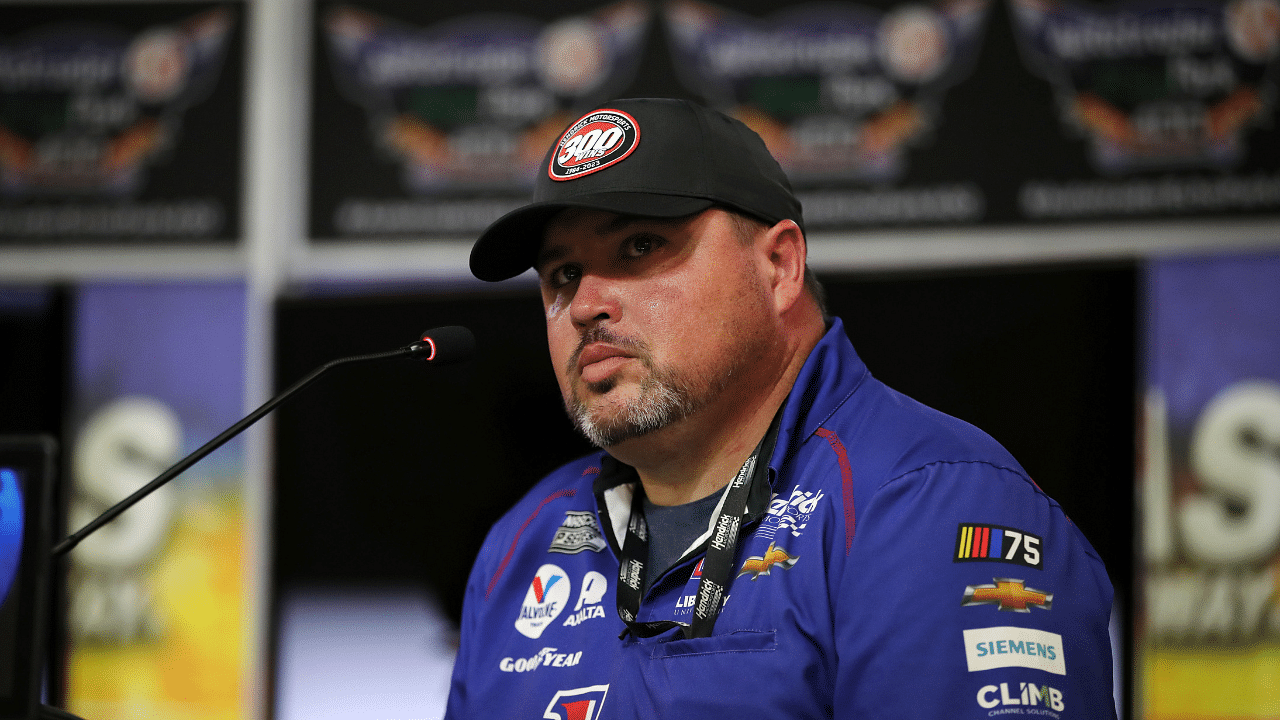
x=510, y=245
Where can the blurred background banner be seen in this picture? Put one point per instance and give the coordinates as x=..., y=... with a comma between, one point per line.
x=1210, y=490
x=839, y=92
x=444, y=110
x=119, y=122
x=429, y=120
x=158, y=599
x=1175, y=102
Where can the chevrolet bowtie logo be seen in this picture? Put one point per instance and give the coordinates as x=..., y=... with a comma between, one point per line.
x=758, y=565
x=1007, y=594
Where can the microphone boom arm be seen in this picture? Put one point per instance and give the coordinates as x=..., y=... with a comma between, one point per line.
x=414, y=349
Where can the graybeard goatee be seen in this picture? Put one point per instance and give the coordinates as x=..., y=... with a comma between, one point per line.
x=664, y=397
x=661, y=402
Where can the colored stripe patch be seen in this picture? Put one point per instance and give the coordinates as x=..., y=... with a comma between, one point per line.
x=998, y=543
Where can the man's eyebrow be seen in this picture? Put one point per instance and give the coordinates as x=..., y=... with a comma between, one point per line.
x=551, y=253
x=548, y=255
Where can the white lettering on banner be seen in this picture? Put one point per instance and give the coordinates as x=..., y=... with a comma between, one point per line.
x=1235, y=451
x=1130, y=34
x=630, y=575
x=1228, y=530
x=998, y=647
x=119, y=448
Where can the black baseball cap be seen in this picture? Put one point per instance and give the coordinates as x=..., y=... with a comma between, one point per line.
x=652, y=157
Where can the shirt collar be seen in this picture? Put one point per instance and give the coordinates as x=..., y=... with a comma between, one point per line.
x=828, y=378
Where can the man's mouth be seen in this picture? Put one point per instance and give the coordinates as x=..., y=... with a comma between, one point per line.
x=598, y=361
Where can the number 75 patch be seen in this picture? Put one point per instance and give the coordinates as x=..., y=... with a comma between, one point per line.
x=996, y=543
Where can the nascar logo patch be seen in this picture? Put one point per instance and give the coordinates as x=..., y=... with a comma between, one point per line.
x=996, y=543
x=578, y=532
x=599, y=139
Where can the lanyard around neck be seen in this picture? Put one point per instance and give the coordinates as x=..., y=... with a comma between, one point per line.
x=716, y=566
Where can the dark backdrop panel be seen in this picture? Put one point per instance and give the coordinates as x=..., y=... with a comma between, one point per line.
x=33, y=357
x=182, y=149
x=393, y=472
x=34, y=367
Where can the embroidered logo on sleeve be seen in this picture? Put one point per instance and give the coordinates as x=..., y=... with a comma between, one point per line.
x=579, y=531
x=996, y=543
x=1007, y=594
x=1001, y=647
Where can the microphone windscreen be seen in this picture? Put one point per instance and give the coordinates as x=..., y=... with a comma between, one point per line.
x=449, y=344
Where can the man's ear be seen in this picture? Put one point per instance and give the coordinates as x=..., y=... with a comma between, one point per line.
x=784, y=247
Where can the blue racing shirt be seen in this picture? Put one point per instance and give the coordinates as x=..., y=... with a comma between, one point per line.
x=898, y=563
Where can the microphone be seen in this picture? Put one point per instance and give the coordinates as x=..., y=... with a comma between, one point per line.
x=439, y=346
x=443, y=345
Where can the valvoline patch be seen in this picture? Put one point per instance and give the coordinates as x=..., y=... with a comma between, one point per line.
x=545, y=599
x=599, y=139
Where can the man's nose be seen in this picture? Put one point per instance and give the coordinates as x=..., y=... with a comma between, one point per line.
x=596, y=300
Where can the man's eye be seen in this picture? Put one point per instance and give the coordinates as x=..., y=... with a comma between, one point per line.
x=641, y=245
x=564, y=275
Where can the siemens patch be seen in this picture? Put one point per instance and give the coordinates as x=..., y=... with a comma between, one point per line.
x=995, y=543
x=999, y=647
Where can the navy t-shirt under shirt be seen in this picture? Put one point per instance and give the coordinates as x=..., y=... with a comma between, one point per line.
x=672, y=529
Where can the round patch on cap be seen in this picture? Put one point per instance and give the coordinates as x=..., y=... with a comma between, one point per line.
x=600, y=139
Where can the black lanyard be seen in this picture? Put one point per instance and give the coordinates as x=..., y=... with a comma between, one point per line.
x=717, y=566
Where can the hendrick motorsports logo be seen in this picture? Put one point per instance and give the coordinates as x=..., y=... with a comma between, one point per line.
x=790, y=514
x=546, y=598
x=598, y=140
x=578, y=704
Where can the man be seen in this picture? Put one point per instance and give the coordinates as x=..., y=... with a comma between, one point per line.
x=769, y=532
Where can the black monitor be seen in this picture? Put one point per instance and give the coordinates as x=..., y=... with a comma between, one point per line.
x=26, y=515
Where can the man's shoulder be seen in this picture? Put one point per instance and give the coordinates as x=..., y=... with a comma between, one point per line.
x=897, y=434
x=840, y=400
x=564, y=492
x=571, y=481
